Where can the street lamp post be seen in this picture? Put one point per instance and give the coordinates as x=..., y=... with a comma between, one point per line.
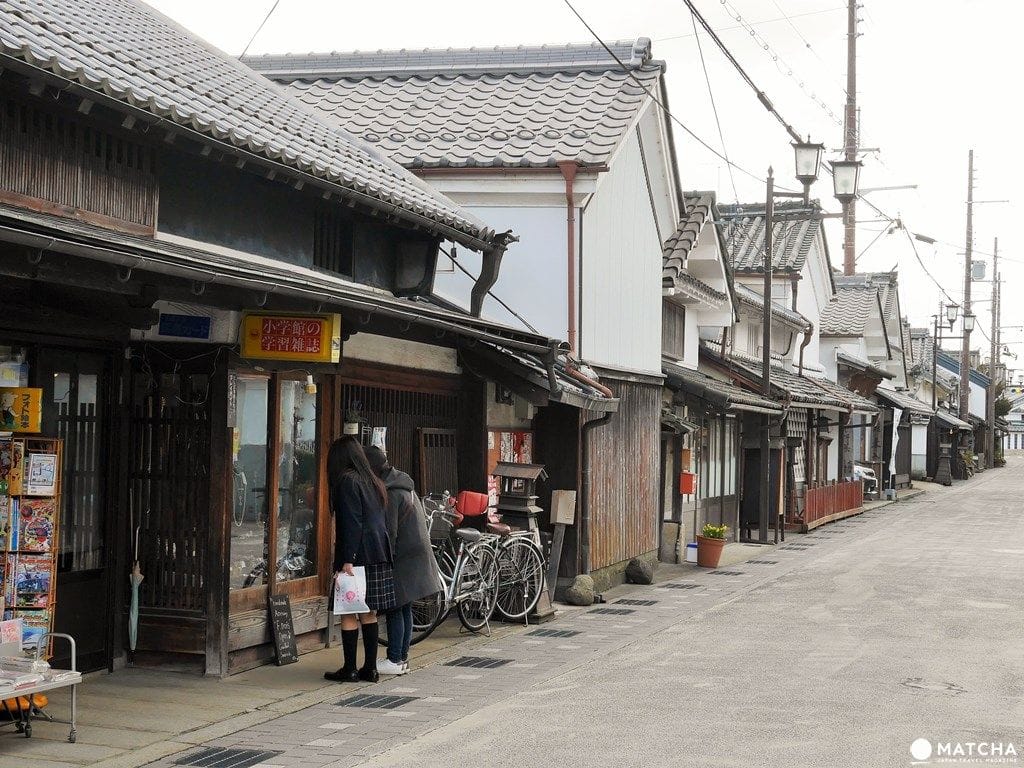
x=807, y=160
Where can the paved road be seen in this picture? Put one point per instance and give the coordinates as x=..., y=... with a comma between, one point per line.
x=839, y=649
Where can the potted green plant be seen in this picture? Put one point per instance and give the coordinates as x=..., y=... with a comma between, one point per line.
x=709, y=545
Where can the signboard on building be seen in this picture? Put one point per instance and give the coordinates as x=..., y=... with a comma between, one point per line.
x=21, y=409
x=295, y=337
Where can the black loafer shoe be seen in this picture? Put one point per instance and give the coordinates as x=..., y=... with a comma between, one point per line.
x=369, y=675
x=343, y=676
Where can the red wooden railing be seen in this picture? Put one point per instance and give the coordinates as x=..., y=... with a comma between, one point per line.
x=830, y=499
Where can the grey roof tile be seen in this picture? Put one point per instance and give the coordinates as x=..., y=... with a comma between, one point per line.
x=794, y=232
x=753, y=299
x=505, y=107
x=131, y=53
x=690, y=379
x=848, y=313
x=697, y=212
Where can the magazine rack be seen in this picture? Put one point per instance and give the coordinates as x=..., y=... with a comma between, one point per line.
x=29, y=531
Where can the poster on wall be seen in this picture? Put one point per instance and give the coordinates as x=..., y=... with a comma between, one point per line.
x=41, y=474
x=296, y=337
x=21, y=409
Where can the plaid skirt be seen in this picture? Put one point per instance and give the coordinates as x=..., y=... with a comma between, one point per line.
x=380, y=587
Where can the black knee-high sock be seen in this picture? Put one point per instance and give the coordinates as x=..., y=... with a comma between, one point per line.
x=349, y=647
x=370, y=635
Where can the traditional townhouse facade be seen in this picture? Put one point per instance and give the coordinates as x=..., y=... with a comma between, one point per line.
x=205, y=284
x=562, y=146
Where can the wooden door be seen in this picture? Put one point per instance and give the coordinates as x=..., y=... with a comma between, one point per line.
x=75, y=390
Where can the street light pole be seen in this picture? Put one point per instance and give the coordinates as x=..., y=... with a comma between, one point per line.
x=850, y=138
x=990, y=416
x=965, y=349
x=766, y=366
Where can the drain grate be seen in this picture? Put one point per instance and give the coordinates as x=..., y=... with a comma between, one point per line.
x=477, y=662
x=612, y=611
x=553, y=633
x=631, y=601
x=367, y=701
x=677, y=585
x=727, y=573
x=763, y=562
x=220, y=757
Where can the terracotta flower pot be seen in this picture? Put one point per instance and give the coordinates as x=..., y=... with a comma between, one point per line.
x=709, y=551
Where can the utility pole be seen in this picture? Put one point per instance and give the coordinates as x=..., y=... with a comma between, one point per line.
x=990, y=416
x=965, y=350
x=850, y=140
x=767, y=504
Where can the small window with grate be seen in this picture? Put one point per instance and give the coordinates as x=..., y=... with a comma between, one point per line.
x=673, y=330
x=332, y=241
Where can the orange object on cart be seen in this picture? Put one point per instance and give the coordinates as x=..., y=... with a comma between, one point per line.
x=39, y=701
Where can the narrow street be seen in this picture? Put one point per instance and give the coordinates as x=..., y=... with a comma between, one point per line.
x=840, y=648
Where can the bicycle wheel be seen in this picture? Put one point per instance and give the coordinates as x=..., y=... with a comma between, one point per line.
x=477, y=590
x=520, y=578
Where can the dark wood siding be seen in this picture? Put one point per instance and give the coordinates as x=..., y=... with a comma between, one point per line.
x=673, y=330
x=54, y=163
x=625, y=456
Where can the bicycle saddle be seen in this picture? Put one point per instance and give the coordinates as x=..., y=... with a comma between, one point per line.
x=468, y=535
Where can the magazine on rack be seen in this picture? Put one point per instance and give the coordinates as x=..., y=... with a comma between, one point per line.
x=41, y=474
x=36, y=624
x=35, y=525
x=32, y=581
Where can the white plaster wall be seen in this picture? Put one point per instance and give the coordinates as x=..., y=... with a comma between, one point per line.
x=534, y=272
x=918, y=451
x=833, y=453
x=621, y=271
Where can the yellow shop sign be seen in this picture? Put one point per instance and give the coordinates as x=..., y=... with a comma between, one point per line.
x=21, y=409
x=296, y=337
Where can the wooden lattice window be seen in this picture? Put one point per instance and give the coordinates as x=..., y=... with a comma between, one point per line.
x=673, y=330
x=332, y=241
x=66, y=166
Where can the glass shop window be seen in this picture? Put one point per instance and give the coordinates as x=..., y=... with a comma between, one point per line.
x=297, y=482
x=250, y=533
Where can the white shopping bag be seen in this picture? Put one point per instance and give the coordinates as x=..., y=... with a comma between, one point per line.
x=350, y=592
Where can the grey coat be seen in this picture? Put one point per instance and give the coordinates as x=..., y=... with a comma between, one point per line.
x=415, y=570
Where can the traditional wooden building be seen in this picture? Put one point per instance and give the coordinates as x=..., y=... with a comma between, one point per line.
x=563, y=146
x=208, y=282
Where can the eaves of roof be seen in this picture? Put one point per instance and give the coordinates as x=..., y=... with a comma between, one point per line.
x=750, y=298
x=862, y=365
x=126, y=55
x=720, y=394
x=698, y=208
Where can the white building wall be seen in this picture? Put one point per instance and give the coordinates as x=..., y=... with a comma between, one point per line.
x=621, y=271
x=918, y=451
x=534, y=272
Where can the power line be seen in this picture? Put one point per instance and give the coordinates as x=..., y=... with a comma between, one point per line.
x=259, y=28
x=714, y=108
x=761, y=95
x=786, y=68
x=658, y=101
x=804, y=40
x=454, y=260
x=756, y=23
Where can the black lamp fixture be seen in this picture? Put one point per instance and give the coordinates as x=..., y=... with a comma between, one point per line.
x=807, y=155
x=951, y=313
x=845, y=179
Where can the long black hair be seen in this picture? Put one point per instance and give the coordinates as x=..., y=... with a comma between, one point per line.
x=347, y=456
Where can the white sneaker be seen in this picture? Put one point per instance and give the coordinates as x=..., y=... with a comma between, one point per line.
x=405, y=666
x=388, y=667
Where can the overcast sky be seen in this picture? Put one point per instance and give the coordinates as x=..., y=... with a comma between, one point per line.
x=935, y=78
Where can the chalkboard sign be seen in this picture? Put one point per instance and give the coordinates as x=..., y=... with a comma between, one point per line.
x=284, y=631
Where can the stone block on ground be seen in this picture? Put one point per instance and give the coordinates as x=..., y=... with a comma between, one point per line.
x=640, y=571
x=581, y=591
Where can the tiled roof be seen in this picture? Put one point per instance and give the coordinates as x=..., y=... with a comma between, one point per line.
x=501, y=107
x=727, y=394
x=887, y=285
x=124, y=50
x=862, y=364
x=688, y=285
x=795, y=228
x=800, y=390
x=848, y=313
x=697, y=212
x=903, y=400
x=753, y=299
